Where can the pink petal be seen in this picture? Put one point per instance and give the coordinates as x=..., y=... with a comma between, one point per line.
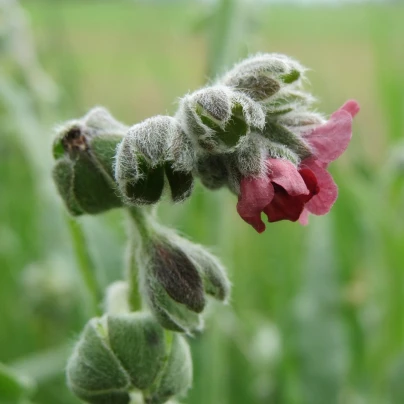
x=285, y=174
x=311, y=182
x=321, y=203
x=284, y=206
x=330, y=140
x=255, y=194
x=352, y=107
x=304, y=217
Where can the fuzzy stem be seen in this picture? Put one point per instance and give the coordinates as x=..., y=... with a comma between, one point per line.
x=138, y=233
x=85, y=264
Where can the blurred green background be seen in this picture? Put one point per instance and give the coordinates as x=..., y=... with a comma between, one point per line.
x=316, y=314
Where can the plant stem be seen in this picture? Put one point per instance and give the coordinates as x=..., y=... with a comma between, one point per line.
x=138, y=233
x=85, y=265
x=227, y=33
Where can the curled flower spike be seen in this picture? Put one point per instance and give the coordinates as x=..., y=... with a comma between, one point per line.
x=290, y=192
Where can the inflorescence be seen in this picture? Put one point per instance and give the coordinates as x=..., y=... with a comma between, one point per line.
x=254, y=131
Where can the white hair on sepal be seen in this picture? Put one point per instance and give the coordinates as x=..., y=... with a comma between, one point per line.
x=126, y=165
x=250, y=155
x=280, y=151
x=253, y=113
x=101, y=120
x=263, y=63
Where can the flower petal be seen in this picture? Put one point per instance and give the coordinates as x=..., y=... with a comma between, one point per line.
x=330, y=140
x=304, y=217
x=287, y=207
x=321, y=203
x=352, y=107
x=284, y=206
x=285, y=174
x=311, y=182
x=255, y=194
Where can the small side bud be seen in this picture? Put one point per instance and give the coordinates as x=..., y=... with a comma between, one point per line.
x=178, y=276
x=84, y=152
x=175, y=278
x=262, y=76
x=211, y=270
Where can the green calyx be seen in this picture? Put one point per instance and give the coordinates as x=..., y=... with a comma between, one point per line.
x=230, y=134
x=83, y=173
x=147, y=188
x=176, y=276
x=117, y=354
x=279, y=134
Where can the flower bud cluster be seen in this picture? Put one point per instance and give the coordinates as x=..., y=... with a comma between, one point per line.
x=122, y=353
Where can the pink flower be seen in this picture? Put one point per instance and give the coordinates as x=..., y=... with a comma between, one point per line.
x=288, y=192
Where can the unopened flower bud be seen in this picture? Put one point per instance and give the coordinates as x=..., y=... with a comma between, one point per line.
x=84, y=151
x=215, y=118
x=144, y=156
x=119, y=353
x=211, y=270
x=263, y=75
x=175, y=278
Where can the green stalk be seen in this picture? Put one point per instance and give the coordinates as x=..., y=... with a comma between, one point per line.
x=227, y=34
x=85, y=265
x=138, y=232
